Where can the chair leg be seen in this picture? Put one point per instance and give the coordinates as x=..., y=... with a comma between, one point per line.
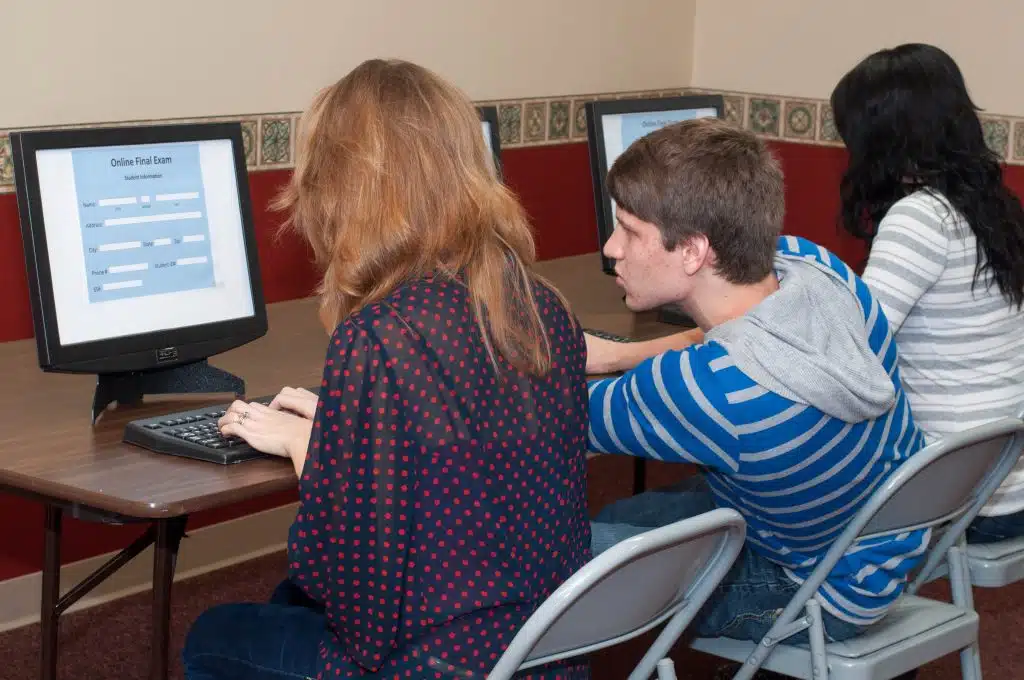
x=754, y=661
x=960, y=584
x=819, y=657
x=666, y=670
x=662, y=645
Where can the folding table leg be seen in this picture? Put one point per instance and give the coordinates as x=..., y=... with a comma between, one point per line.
x=169, y=533
x=49, y=613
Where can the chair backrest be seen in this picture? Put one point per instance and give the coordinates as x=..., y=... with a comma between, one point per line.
x=948, y=477
x=627, y=590
x=946, y=483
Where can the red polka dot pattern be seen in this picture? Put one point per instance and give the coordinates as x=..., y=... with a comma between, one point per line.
x=441, y=501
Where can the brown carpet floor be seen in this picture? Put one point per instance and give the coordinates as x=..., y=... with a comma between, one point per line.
x=112, y=641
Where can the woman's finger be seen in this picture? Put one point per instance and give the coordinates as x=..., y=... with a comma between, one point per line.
x=296, y=404
x=240, y=411
x=232, y=429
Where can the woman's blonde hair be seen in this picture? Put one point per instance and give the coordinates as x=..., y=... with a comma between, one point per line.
x=393, y=181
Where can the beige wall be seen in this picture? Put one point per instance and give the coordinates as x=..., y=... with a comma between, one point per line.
x=107, y=60
x=802, y=47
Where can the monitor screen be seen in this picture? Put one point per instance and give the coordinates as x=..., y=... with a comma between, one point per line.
x=140, y=237
x=614, y=125
x=489, y=126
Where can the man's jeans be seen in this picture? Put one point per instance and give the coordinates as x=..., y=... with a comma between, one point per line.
x=750, y=597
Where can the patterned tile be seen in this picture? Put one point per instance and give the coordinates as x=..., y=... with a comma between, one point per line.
x=764, y=116
x=579, y=119
x=1018, y=140
x=558, y=119
x=6, y=162
x=827, y=131
x=535, y=125
x=275, y=141
x=997, y=134
x=800, y=119
x=250, y=129
x=510, y=123
x=734, y=108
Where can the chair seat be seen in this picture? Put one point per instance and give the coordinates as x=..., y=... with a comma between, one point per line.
x=996, y=551
x=994, y=565
x=923, y=630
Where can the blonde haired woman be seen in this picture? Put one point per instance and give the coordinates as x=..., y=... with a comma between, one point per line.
x=441, y=477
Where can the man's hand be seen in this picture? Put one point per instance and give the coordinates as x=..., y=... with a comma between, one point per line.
x=608, y=356
x=603, y=356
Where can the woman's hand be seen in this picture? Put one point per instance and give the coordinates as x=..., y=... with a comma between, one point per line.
x=269, y=430
x=299, y=401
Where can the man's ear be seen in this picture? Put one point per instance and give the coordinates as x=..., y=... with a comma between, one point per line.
x=695, y=252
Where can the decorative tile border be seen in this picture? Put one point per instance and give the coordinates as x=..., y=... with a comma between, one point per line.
x=270, y=138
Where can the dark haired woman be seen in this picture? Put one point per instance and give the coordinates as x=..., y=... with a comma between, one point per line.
x=947, y=248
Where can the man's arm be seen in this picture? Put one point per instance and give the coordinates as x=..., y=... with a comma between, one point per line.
x=607, y=356
x=670, y=408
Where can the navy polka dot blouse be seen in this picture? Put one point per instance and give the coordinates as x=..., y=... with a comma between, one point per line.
x=441, y=501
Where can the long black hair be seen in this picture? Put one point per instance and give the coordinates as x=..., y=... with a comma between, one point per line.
x=909, y=123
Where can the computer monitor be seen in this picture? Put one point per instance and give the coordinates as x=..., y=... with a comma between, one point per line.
x=489, y=123
x=615, y=124
x=140, y=253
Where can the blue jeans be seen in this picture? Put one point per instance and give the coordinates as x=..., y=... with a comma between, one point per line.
x=753, y=593
x=994, y=529
x=275, y=641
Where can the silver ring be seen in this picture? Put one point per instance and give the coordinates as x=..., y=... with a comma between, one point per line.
x=242, y=417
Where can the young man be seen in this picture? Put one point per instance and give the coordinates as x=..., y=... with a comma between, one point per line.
x=790, y=400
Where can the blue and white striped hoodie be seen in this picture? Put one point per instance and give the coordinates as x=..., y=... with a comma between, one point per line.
x=797, y=414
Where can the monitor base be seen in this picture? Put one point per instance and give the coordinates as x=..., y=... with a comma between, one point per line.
x=128, y=389
x=671, y=314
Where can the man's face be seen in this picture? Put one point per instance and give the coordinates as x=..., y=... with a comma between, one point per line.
x=650, y=275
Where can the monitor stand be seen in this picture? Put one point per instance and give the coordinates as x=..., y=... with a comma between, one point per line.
x=193, y=378
x=672, y=314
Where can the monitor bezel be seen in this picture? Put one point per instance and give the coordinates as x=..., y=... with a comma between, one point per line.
x=595, y=111
x=143, y=351
x=489, y=115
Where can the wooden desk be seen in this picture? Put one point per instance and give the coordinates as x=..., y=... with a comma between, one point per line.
x=50, y=451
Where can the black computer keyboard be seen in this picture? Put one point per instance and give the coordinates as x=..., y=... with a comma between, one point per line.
x=192, y=434
x=606, y=336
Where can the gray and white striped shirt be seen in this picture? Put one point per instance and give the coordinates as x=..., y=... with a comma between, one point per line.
x=961, y=349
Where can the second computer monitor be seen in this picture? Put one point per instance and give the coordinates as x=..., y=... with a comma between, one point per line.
x=489, y=125
x=613, y=125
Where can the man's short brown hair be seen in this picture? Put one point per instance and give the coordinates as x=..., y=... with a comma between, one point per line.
x=706, y=177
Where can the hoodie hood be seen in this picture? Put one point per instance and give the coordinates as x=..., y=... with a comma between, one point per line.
x=808, y=342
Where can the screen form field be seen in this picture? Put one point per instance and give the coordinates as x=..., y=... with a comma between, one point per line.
x=107, y=202
x=149, y=219
x=183, y=196
x=122, y=268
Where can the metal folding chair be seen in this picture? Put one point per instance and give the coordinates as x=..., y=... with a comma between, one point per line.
x=661, y=576
x=943, y=486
